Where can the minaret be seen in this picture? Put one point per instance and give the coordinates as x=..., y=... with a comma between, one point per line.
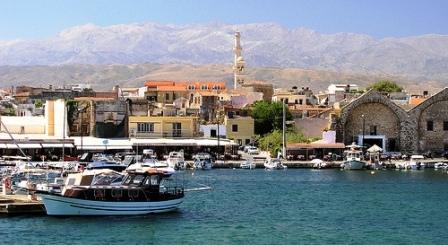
x=238, y=63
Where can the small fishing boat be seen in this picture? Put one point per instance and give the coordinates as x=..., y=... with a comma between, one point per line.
x=353, y=158
x=141, y=191
x=274, y=163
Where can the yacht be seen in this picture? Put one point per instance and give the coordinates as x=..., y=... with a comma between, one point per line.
x=353, y=158
x=139, y=191
x=274, y=163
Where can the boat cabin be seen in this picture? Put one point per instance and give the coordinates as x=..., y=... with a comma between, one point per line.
x=143, y=184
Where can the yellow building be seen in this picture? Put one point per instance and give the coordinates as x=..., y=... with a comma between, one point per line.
x=163, y=126
x=240, y=129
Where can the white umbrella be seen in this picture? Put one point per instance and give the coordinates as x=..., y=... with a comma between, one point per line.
x=374, y=148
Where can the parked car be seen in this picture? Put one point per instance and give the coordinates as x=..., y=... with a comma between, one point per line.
x=253, y=150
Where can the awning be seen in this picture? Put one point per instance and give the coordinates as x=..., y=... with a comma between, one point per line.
x=103, y=147
x=23, y=146
x=57, y=145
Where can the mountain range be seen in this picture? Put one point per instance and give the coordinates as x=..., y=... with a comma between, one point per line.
x=266, y=46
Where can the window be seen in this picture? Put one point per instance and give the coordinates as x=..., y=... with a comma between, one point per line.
x=373, y=129
x=445, y=126
x=430, y=126
x=213, y=133
x=247, y=141
x=234, y=127
x=301, y=101
x=167, y=96
x=297, y=102
x=204, y=87
x=177, y=129
x=145, y=127
x=22, y=129
x=286, y=101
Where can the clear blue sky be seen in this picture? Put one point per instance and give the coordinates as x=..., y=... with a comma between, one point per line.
x=378, y=18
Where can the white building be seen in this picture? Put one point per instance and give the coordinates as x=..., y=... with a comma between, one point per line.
x=211, y=130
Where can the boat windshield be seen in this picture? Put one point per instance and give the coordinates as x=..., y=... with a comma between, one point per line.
x=107, y=179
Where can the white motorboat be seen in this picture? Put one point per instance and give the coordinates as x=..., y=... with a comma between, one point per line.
x=353, y=158
x=274, y=163
x=176, y=160
x=248, y=164
x=440, y=165
x=203, y=161
x=142, y=191
x=318, y=163
x=415, y=162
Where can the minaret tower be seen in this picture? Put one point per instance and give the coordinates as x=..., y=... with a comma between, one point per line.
x=238, y=63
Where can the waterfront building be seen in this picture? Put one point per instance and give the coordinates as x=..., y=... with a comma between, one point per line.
x=37, y=135
x=100, y=115
x=166, y=92
x=338, y=92
x=374, y=118
x=240, y=128
x=267, y=89
x=163, y=126
x=212, y=130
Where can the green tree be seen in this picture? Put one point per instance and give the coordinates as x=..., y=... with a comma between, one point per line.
x=386, y=86
x=38, y=104
x=268, y=116
x=273, y=141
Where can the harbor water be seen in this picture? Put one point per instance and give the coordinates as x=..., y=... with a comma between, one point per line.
x=296, y=206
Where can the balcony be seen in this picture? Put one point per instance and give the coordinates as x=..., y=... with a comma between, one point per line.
x=175, y=133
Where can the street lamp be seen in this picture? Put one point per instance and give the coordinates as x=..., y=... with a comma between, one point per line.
x=363, y=127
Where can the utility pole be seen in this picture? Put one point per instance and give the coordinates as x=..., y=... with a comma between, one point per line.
x=363, y=128
x=284, y=130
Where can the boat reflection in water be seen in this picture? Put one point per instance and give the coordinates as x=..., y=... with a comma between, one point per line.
x=138, y=191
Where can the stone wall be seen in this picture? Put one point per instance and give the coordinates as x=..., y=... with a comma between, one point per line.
x=434, y=109
x=410, y=127
x=375, y=115
x=378, y=110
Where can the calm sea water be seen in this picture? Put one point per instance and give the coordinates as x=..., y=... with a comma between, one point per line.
x=270, y=207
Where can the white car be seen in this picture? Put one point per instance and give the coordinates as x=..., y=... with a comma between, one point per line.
x=253, y=150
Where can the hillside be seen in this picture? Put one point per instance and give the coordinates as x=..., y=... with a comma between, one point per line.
x=105, y=76
x=264, y=45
